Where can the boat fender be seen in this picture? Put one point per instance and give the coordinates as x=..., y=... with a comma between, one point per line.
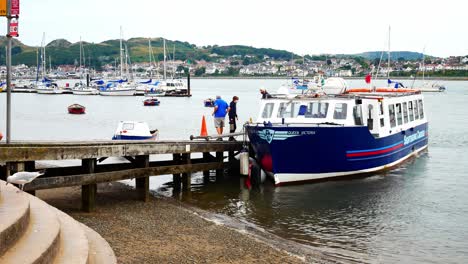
x=244, y=162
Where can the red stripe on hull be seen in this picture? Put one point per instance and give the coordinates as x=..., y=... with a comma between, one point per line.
x=360, y=154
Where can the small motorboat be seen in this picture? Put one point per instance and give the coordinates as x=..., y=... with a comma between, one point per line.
x=151, y=102
x=209, y=102
x=133, y=130
x=76, y=109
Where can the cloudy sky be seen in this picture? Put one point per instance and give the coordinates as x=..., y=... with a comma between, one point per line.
x=304, y=27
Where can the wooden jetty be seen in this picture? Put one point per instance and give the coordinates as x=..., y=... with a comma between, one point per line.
x=22, y=156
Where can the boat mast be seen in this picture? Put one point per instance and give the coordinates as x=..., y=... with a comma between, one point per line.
x=149, y=54
x=173, y=63
x=388, y=66
x=80, y=56
x=121, y=54
x=43, y=62
x=423, y=63
x=37, y=63
x=164, y=47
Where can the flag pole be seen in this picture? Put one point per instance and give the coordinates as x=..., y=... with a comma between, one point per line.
x=8, y=80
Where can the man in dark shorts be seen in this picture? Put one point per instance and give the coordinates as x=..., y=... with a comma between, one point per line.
x=221, y=108
x=233, y=115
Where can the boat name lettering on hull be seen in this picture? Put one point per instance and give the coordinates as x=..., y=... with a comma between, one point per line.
x=418, y=135
x=269, y=134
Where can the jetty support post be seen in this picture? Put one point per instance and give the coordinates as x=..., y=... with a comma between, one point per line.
x=88, y=192
x=188, y=84
x=186, y=176
x=219, y=158
x=176, y=176
x=142, y=183
x=206, y=174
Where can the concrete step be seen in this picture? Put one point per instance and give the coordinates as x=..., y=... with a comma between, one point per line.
x=40, y=242
x=14, y=216
x=99, y=249
x=73, y=241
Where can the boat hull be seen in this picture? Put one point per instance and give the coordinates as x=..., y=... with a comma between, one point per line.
x=117, y=92
x=298, y=154
x=124, y=137
x=85, y=92
x=49, y=91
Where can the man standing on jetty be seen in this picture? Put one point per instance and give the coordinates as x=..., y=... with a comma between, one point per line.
x=233, y=116
x=221, y=108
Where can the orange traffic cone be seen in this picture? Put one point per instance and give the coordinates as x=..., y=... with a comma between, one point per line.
x=204, y=131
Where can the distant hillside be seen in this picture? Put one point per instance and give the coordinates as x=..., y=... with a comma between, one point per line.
x=394, y=55
x=62, y=52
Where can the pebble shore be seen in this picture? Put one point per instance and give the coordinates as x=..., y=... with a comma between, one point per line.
x=161, y=230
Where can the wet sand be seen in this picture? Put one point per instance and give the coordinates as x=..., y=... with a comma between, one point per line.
x=162, y=230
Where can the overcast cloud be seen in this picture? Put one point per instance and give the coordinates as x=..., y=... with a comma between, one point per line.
x=304, y=27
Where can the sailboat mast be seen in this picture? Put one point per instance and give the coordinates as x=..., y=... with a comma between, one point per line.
x=388, y=66
x=149, y=54
x=121, y=54
x=80, y=55
x=43, y=56
x=423, y=63
x=164, y=47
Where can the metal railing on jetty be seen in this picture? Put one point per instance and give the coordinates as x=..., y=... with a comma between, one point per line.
x=22, y=156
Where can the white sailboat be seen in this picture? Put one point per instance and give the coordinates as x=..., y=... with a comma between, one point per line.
x=81, y=88
x=45, y=86
x=429, y=86
x=119, y=87
x=167, y=86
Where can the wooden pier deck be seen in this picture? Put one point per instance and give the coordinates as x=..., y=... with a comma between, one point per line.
x=22, y=156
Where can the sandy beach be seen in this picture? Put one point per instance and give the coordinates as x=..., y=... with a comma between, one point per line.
x=162, y=230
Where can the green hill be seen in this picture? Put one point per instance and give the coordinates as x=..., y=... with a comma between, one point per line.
x=394, y=55
x=61, y=52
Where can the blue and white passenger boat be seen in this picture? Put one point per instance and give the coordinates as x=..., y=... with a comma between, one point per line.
x=316, y=136
x=133, y=130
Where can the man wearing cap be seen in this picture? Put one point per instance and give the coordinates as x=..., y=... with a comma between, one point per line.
x=221, y=108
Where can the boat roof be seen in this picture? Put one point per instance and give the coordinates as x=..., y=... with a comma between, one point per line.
x=318, y=96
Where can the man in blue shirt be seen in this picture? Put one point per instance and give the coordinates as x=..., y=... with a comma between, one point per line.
x=221, y=108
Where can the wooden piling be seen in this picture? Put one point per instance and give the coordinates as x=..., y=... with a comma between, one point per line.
x=219, y=158
x=176, y=176
x=186, y=176
x=206, y=174
x=142, y=183
x=89, y=191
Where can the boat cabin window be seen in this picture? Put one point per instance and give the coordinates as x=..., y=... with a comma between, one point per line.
x=128, y=126
x=340, y=111
x=288, y=110
x=370, y=119
x=391, y=112
x=416, y=111
x=421, y=110
x=410, y=110
x=405, y=113
x=357, y=114
x=316, y=110
x=398, y=113
x=267, y=110
x=381, y=107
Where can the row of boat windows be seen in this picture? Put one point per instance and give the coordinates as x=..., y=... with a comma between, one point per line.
x=310, y=110
x=405, y=112
x=174, y=84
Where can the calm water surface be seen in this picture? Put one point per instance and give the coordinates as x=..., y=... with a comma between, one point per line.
x=417, y=213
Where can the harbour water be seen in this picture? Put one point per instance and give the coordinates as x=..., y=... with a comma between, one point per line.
x=416, y=213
